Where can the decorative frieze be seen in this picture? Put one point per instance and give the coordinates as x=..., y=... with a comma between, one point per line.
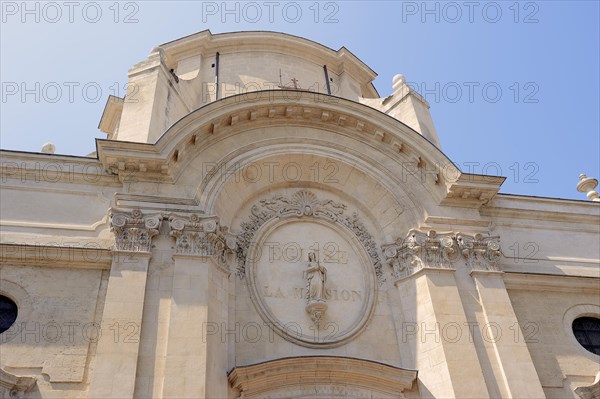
x=201, y=236
x=440, y=250
x=480, y=252
x=419, y=250
x=133, y=231
x=301, y=204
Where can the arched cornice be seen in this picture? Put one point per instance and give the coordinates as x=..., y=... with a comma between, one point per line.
x=167, y=159
x=267, y=108
x=321, y=376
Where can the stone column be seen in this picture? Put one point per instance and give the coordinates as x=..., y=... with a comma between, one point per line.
x=519, y=376
x=116, y=358
x=199, y=310
x=435, y=324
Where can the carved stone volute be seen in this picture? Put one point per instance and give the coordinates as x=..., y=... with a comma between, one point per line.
x=134, y=231
x=419, y=250
x=202, y=236
x=439, y=250
x=480, y=252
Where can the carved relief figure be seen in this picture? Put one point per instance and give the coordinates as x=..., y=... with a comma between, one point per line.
x=316, y=276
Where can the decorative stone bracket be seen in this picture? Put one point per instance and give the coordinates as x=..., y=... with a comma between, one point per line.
x=202, y=236
x=439, y=250
x=133, y=231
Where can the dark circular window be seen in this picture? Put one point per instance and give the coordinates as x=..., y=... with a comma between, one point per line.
x=8, y=313
x=587, y=332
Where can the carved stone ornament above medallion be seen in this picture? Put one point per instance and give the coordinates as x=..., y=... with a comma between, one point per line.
x=312, y=271
x=303, y=203
x=440, y=250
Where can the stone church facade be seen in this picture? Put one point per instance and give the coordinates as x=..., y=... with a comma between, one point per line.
x=259, y=223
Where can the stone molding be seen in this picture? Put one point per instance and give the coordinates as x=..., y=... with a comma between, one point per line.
x=46, y=255
x=551, y=282
x=200, y=236
x=180, y=144
x=303, y=203
x=134, y=231
x=421, y=250
x=14, y=386
x=324, y=374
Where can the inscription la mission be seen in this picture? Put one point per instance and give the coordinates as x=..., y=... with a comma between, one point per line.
x=331, y=294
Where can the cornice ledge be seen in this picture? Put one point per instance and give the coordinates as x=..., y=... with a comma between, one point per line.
x=166, y=159
x=92, y=257
x=551, y=282
x=472, y=191
x=543, y=215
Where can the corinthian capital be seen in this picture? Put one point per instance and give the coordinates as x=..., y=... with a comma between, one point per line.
x=201, y=236
x=481, y=253
x=419, y=250
x=134, y=231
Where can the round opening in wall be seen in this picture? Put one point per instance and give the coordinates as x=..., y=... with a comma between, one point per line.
x=8, y=313
x=587, y=333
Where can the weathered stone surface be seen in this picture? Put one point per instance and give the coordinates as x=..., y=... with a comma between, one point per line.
x=308, y=245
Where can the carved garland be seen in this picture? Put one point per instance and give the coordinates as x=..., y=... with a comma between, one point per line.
x=303, y=204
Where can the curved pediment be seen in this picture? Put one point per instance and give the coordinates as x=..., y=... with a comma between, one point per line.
x=321, y=377
x=165, y=160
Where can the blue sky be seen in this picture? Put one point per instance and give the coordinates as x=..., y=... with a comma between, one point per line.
x=513, y=86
